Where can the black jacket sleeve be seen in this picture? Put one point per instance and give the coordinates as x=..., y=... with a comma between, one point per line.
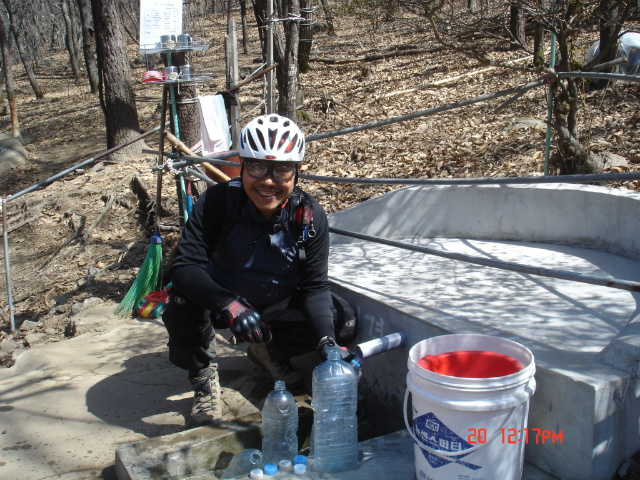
x=189, y=268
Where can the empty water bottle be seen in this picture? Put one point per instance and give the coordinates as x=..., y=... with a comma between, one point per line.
x=242, y=463
x=279, y=425
x=335, y=425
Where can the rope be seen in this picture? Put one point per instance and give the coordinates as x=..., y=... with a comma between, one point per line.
x=588, y=178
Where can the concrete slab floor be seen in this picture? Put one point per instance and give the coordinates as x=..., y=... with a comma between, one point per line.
x=389, y=457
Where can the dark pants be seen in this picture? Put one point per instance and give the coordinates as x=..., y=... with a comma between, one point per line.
x=192, y=343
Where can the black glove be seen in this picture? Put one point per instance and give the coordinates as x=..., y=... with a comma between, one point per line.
x=244, y=321
x=328, y=343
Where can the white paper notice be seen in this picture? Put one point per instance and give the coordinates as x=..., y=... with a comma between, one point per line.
x=159, y=17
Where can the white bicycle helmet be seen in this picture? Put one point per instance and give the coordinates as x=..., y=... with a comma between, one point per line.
x=272, y=137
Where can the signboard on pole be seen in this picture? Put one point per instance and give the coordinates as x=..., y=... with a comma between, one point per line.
x=158, y=18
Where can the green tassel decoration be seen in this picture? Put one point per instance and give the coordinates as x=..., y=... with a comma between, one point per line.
x=146, y=281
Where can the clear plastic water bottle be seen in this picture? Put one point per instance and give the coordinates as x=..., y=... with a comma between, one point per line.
x=335, y=425
x=279, y=425
x=242, y=463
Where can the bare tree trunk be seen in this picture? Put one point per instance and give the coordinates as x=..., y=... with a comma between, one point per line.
x=89, y=44
x=243, y=15
x=610, y=25
x=538, y=39
x=306, y=37
x=516, y=25
x=70, y=40
x=472, y=6
x=76, y=27
x=285, y=52
x=116, y=92
x=331, y=31
x=35, y=86
x=572, y=156
x=55, y=35
x=187, y=117
x=287, y=71
x=132, y=26
x=8, y=75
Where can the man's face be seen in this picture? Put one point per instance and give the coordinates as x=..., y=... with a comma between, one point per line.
x=269, y=192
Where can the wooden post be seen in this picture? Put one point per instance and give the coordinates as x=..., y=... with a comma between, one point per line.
x=232, y=80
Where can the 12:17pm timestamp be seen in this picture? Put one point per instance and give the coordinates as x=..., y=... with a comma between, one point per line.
x=514, y=435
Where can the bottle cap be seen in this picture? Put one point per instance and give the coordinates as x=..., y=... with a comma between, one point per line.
x=270, y=469
x=299, y=469
x=256, y=473
x=301, y=459
x=285, y=465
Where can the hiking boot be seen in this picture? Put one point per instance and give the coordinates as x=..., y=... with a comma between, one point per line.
x=207, y=402
x=258, y=353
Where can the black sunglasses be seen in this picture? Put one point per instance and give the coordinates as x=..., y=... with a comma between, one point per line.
x=280, y=173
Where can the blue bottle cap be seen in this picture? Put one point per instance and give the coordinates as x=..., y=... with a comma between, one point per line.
x=299, y=460
x=270, y=469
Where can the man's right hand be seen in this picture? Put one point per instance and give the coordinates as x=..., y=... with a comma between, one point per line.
x=245, y=323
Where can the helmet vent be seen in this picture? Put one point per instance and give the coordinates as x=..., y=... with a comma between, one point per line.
x=272, y=138
x=291, y=144
x=261, y=140
x=252, y=142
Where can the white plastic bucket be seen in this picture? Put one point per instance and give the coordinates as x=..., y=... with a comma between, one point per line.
x=468, y=428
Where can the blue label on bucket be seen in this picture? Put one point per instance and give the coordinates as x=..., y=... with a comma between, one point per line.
x=430, y=430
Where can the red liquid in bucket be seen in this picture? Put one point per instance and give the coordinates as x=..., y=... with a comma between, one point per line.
x=471, y=364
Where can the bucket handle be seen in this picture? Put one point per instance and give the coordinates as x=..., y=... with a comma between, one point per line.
x=444, y=453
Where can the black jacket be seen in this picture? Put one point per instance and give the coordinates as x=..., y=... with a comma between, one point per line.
x=228, y=250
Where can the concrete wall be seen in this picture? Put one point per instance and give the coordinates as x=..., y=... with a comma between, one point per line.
x=596, y=217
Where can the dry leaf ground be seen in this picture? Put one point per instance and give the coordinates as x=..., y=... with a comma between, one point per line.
x=80, y=240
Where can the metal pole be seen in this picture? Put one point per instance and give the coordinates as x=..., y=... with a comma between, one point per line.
x=7, y=266
x=217, y=159
x=605, y=76
x=202, y=177
x=590, y=178
x=174, y=107
x=514, y=267
x=234, y=109
x=269, y=77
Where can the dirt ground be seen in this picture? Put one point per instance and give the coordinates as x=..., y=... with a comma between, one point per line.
x=81, y=240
